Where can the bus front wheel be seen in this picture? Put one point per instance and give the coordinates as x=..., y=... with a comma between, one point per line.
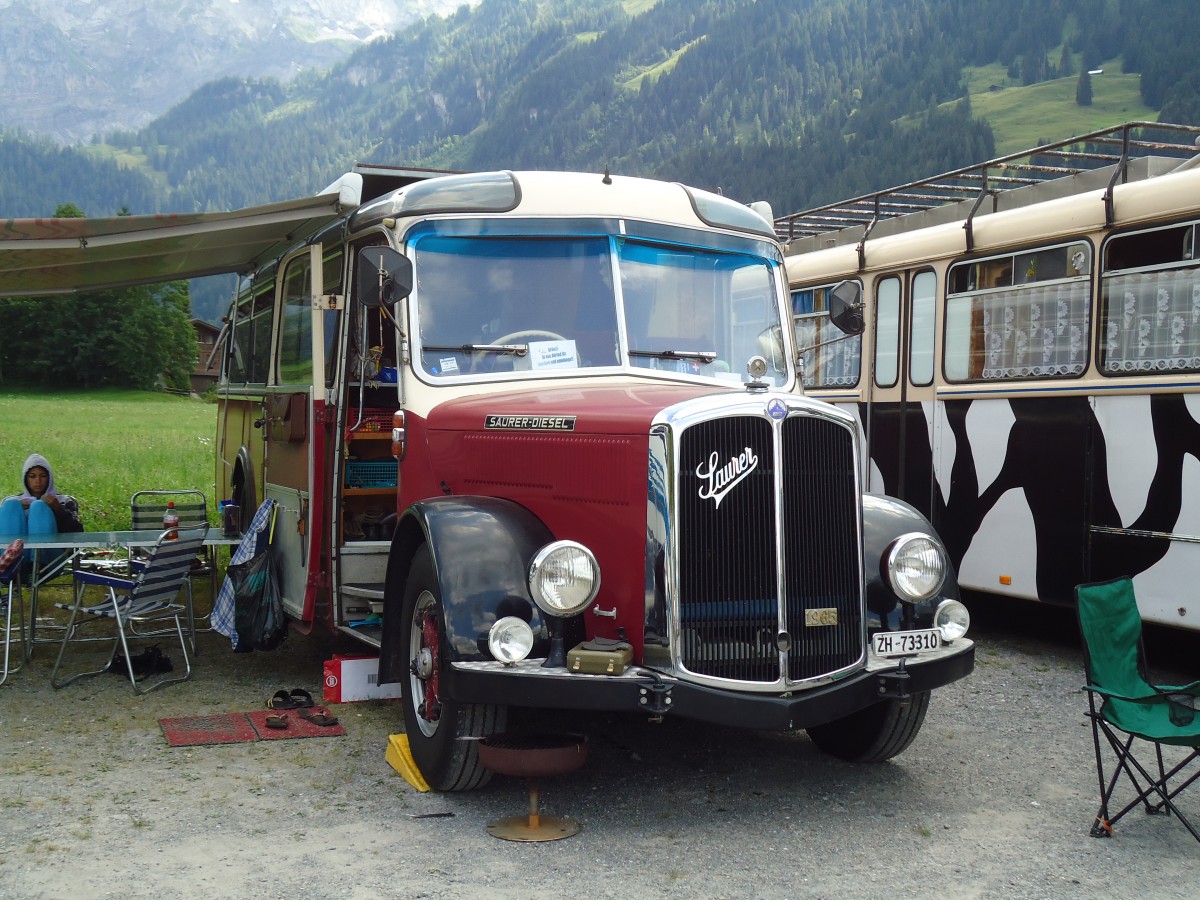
x=874, y=734
x=439, y=729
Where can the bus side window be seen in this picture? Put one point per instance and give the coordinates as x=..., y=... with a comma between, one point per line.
x=831, y=358
x=887, y=331
x=295, y=338
x=334, y=265
x=250, y=346
x=1150, y=318
x=920, y=339
x=1022, y=315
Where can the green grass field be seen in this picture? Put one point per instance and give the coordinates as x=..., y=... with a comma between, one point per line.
x=105, y=445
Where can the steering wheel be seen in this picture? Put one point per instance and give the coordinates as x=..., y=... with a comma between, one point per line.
x=528, y=333
x=511, y=337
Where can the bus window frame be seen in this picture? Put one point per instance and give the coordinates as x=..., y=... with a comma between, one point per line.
x=931, y=350
x=975, y=296
x=896, y=326
x=295, y=307
x=826, y=337
x=1105, y=277
x=255, y=301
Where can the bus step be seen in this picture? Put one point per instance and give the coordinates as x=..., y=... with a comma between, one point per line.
x=367, y=591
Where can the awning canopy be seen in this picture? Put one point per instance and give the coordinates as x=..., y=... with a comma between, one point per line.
x=56, y=256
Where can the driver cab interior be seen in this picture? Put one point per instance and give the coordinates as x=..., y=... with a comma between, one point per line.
x=500, y=305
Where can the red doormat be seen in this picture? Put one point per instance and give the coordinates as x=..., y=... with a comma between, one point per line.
x=235, y=728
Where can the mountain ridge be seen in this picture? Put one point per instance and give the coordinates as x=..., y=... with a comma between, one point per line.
x=73, y=71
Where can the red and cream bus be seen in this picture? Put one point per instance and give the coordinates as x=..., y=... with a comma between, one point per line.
x=538, y=439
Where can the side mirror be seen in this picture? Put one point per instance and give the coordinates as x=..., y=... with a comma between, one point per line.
x=384, y=276
x=846, y=308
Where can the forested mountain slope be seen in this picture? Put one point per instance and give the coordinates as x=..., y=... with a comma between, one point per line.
x=793, y=101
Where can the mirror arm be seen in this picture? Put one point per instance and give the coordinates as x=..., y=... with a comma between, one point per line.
x=800, y=351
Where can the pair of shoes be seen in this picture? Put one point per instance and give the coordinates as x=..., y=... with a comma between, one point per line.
x=296, y=698
x=277, y=720
x=318, y=715
x=151, y=661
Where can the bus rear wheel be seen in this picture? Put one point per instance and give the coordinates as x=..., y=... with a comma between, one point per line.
x=874, y=734
x=439, y=728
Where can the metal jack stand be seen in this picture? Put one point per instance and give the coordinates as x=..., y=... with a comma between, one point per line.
x=533, y=757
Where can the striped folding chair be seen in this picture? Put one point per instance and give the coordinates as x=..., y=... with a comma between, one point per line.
x=136, y=602
x=146, y=510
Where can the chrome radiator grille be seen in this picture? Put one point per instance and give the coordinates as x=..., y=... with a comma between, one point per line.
x=736, y=494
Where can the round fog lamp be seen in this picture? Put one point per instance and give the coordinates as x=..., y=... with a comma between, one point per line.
x=916, y=567
x=564, y=578
x=952, y=619
x=510, y=639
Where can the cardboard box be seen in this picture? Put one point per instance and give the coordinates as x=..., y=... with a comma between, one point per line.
x=349, y=679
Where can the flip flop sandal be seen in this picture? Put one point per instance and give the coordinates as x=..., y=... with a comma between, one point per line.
x=299, y=698
x=318, y=716
x=277, y=720
x=281, y=700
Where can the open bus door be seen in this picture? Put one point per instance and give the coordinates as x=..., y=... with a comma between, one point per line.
x=363, y=473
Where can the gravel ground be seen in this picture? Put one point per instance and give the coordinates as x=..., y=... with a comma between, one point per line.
x=994, y=799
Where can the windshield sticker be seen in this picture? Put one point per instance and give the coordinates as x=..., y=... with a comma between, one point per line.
x=553, y=355
x=717, y=480
x=530, y=423
x=449, y=365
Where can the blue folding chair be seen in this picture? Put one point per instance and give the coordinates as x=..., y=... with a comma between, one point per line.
x=145, y=598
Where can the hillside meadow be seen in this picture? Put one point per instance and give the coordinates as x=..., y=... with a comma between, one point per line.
x=1024, y=116
x=105, y=445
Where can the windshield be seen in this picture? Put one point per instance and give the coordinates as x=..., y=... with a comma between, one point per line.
x=700, y=312
x=499, y=304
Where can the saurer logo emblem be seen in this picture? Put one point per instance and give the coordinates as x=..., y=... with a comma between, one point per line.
x=717, y=480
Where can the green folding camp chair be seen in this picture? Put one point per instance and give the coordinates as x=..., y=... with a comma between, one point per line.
x=1127, y=709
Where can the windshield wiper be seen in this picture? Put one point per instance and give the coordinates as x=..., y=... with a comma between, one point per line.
x=705, y=356
x=515, y=349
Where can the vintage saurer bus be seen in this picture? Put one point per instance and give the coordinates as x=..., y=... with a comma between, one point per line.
x=1029, y=374
x=539, y=439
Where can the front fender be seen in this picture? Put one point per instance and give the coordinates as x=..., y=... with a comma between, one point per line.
x=481, y=549
x=884, y=520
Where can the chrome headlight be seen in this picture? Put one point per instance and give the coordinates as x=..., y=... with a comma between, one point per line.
x=952, y=619
x=510, y=639
x=564, y=578
x=916, y=567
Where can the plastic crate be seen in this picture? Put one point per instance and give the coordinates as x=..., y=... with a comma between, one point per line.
x=381, y=474
x=379, y=420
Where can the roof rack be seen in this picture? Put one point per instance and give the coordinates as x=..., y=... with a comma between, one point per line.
x=970, y=187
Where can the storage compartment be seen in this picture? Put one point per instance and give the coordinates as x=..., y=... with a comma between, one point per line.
x=369, y=479
x=371, y=474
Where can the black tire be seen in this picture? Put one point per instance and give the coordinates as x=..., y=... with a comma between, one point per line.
x=439, y=737
x=244, y=495
x=879, y=732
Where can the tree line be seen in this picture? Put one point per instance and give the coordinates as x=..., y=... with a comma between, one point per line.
x=138, y=337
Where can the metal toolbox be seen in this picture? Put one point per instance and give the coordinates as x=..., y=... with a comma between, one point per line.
x=600, y=656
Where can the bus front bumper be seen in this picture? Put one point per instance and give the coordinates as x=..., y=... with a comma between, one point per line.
x=640, y=689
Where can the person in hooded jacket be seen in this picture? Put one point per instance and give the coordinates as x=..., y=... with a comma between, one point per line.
x=39, y=508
